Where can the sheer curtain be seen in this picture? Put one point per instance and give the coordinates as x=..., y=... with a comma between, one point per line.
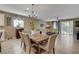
x=66, y=27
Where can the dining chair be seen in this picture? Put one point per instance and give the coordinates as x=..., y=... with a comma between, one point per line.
x=49, y=47
x=10, y=32
x=27, y=43
x=22, y=39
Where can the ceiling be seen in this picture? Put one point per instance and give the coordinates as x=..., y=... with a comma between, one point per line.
x=45, y=11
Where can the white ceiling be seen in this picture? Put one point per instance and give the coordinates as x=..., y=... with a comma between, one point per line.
x=45, y=11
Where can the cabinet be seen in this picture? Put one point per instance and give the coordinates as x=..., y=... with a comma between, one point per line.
x=2, y=19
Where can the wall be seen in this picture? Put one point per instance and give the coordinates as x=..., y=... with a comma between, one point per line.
x=4, y=21
x=42, y=28
x=27, y=26
x=37, y=23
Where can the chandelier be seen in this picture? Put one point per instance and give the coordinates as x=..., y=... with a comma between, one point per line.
x=31, y=13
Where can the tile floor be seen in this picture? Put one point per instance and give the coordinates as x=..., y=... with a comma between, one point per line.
x=65, y=44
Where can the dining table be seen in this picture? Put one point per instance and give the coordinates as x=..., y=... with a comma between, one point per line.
x=37, y=38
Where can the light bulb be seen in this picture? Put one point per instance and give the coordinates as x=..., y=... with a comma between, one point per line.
x=27, y=8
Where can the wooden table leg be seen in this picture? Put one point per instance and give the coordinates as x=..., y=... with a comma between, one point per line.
x=53, y=50
x=38, y=49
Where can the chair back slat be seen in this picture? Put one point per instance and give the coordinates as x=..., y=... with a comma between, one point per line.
x=26, y=39
x=51, y=42
x=21, y=36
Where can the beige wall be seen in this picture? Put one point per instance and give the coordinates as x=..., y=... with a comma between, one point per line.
x=37, y=23
x=27, y=26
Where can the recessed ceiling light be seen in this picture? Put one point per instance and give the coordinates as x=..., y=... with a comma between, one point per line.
x=27, y=8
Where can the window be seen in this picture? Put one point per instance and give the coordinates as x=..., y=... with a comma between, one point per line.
x=54, y=25
x=18, y=23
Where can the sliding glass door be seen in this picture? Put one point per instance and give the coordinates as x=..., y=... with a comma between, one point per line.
x=66, y=27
